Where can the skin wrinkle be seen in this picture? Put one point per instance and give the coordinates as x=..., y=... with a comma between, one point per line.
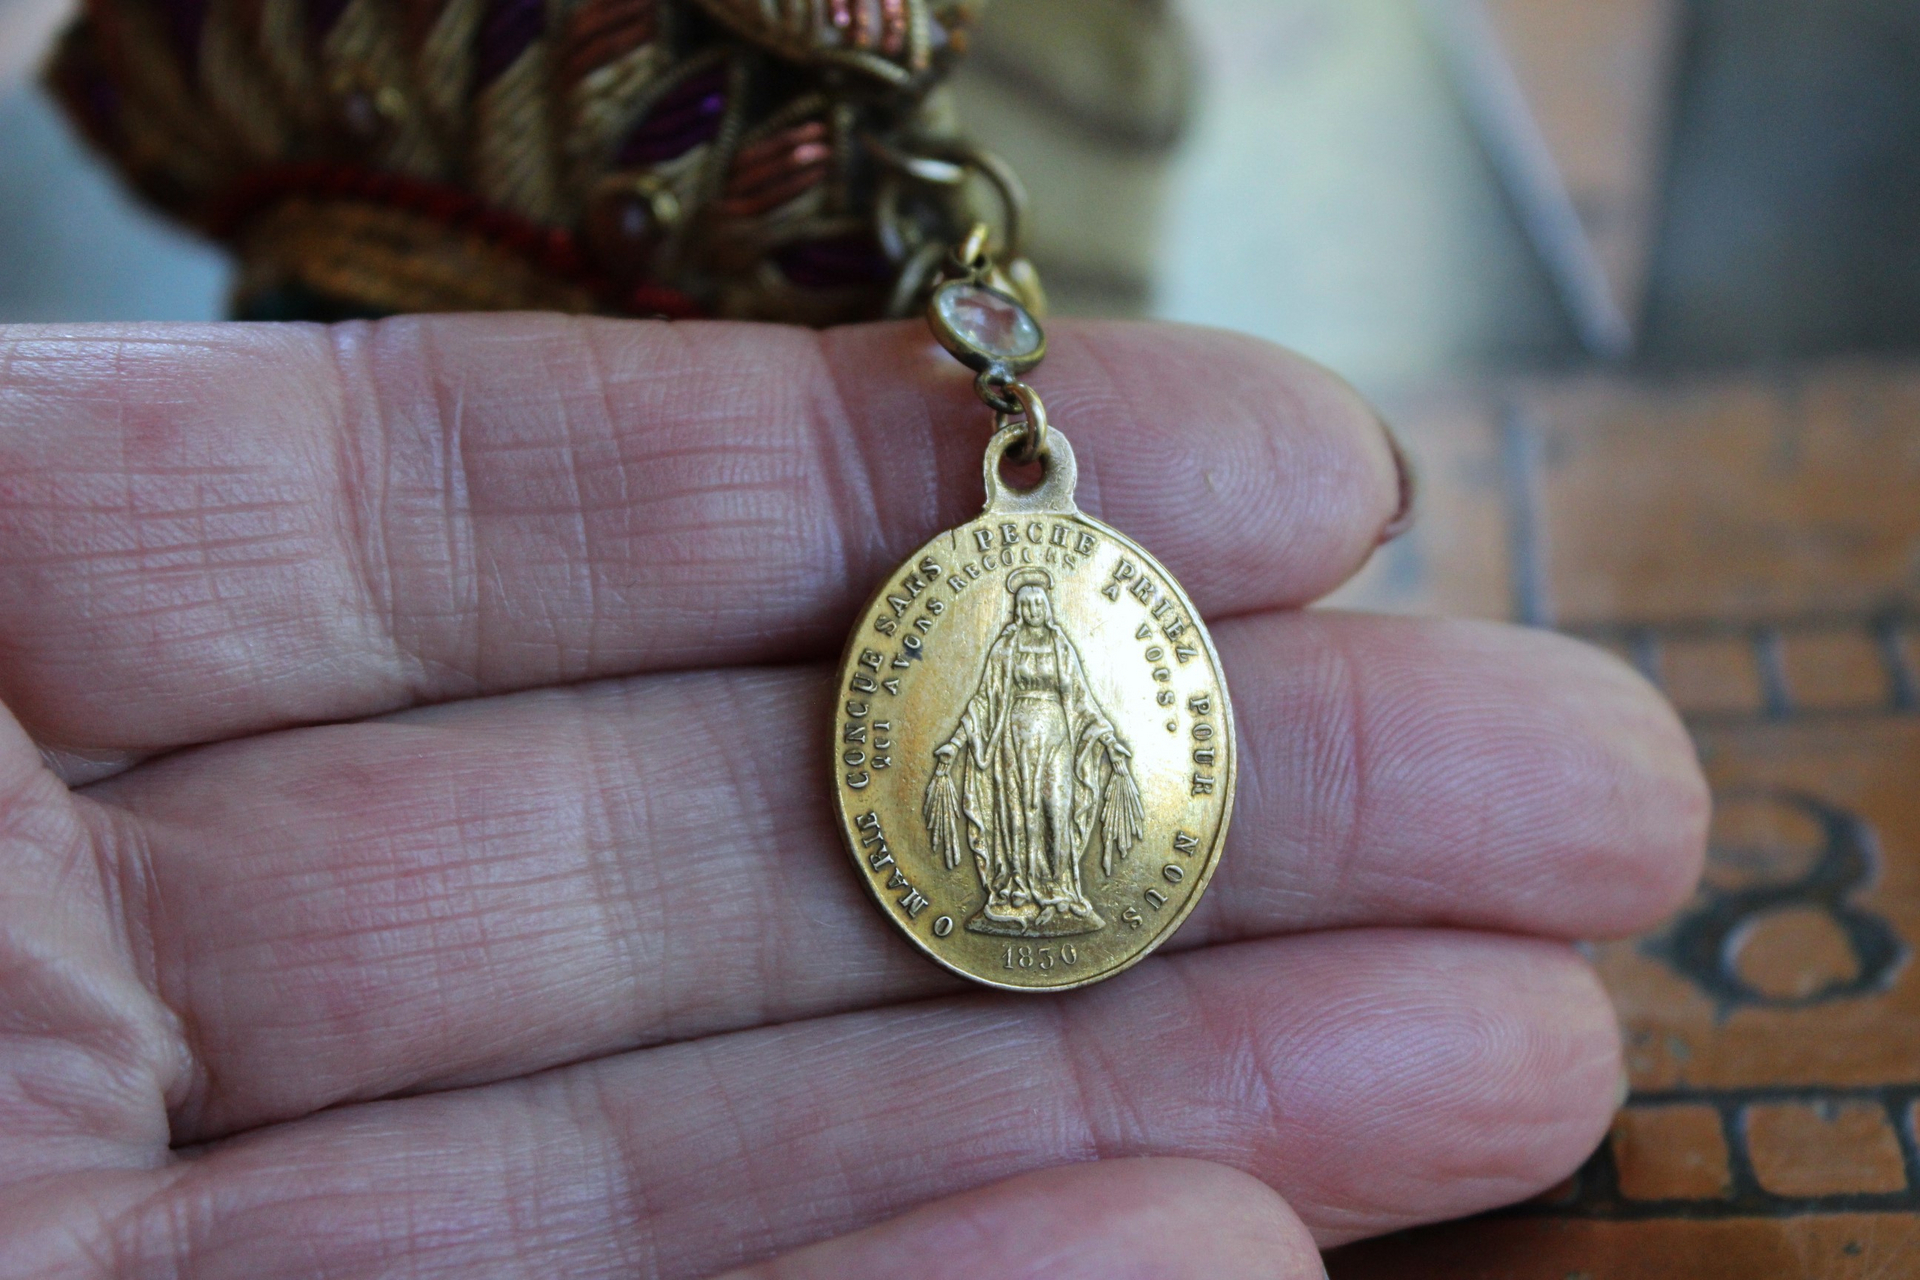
x=662, y=998
x=587, y=576
x=769, y=934
x=768, y=972
x=132, y=891
x=467, y=924
x=460, y=537
x=759, y=1236
x=91, y=1229
x=1317, y=763
x=1235, y=1045
x=849, y=484
x=389, y=357
x=344, y=349
x=1013, y=1055
x=1122, y=1220
x=841, y=1191
x=1355, y=734
x=547, y=1205
x=611, y=873
x=639, y=1251
x=479, y=883
x=626, y=500
x=1080, y=1102
x=745, y=775
x=58, y=995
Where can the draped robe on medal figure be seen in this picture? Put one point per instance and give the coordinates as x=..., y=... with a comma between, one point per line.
x=1043, y=772
x=1024, y=731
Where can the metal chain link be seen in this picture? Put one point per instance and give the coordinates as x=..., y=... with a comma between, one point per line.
x=1029, y=411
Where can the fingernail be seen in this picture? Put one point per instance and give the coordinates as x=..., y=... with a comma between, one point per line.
x=1409, y=482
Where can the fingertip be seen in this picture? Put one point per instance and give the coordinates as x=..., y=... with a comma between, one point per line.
x=1122, y=1219
x=1646, y=770
x=1264, y=478
x=1486, y=1075
x=1505, y=778
x=1675, y=806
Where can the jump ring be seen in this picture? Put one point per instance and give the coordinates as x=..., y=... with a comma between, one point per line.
x=1033, y=443
x=996, y=390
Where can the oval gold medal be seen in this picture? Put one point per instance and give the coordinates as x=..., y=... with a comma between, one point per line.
x=1033, y=748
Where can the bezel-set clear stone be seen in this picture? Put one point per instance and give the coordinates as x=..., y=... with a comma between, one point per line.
x=989, y=322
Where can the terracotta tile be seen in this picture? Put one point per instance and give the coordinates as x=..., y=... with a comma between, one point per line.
x=1794, y=954
x=1564, y=1192
x=1712, y=675
x=1671, y=1153
x=1838, y=1246
x=1805, y=1150
x=1698, y=512
x=1460, y=516
x=1623, y=651
x=1814, y=817
x=1840, y=670
x=1728, y=499
x=1907, y=646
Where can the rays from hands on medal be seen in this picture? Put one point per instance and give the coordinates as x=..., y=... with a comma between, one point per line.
x=417, y=858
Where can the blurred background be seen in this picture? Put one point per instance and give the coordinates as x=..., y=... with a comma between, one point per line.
x=1401, y=188
x=1638, y=282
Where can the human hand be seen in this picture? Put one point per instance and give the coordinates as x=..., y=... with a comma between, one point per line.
x=430, y=868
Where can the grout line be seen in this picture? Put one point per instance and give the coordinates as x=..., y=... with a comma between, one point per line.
x=1769, y=654
x=1905, y=696
x=1644, y=644
x=1521, y=465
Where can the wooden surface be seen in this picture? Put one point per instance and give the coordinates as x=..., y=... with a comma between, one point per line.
x=1753, y=545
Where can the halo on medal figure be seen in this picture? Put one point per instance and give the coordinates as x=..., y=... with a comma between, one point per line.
x=1033, y=778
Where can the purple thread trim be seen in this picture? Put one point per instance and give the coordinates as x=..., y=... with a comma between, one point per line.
x=185, y=19
x=679, y=122
x=322, y=15
x=508, y=29
x=832, y=264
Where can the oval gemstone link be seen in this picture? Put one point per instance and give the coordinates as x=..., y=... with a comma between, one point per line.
x=990, y=322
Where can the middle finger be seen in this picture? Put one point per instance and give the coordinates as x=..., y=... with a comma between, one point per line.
x=493, y=887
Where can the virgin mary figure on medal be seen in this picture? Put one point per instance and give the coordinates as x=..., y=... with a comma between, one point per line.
x=1043, y=770
x=1035, y=690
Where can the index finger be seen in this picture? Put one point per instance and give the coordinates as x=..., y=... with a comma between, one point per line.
x=207, y=531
